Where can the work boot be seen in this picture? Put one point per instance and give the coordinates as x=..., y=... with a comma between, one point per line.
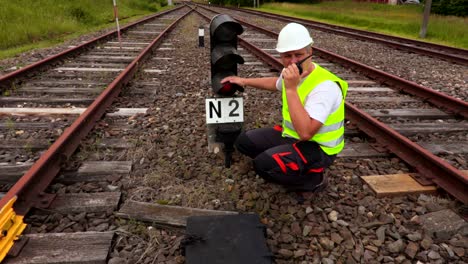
x=322, y=186
x=302, y=196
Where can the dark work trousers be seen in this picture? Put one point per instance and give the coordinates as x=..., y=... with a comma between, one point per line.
x=297, y=165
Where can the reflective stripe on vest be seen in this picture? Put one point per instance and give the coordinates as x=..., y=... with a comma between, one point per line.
x=330, y=136
x=323, y=129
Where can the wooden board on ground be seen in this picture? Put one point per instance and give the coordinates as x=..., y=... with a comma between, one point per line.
x=12, y=99
x=81, y=247
x=377, y=89
x=90, y=171
x=86, y=76
x=73, y=83
x=262, y=69
x=105, y=58
x=40, y=111
x=267, y=74
x=163, y=214
x=360, y=150
x=27, y=144
x=70, y=203
x=11, y=172
x=388, y=99
x=415, y=128
x=354, y=83
x=128, y=112
x=62, y=90
x=445, y=147
x=43, y=143
x=409, y=113
x=62, y=69
x=66, y=111
x=394, y=184
x=97, y=171
x=84, y=90
x=14, y=125
x=441, y=127
x=105, y=167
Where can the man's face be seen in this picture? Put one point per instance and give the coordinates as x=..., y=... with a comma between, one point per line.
x=294, y=56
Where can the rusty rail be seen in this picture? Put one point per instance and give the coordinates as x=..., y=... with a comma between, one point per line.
x=452, y=54
x=427, y=164
x=441, y=100
x=8, y=79
x=30, y=188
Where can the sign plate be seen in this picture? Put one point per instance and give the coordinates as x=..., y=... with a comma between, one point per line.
x=224, y=110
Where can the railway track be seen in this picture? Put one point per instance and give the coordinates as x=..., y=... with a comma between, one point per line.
x=157, y=155
x=390, y=108
x=83, y=85
x=410, y=66
x=448, y=53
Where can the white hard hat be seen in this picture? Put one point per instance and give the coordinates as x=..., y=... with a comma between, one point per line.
x=293, y=37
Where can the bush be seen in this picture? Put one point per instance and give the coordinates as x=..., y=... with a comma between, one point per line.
x=450, y=7
x=80, y=15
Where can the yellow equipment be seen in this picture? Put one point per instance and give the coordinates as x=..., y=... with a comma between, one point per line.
x=11, y=226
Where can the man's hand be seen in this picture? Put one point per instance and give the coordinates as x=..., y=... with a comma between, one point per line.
x=291, y=76
x=234, y=79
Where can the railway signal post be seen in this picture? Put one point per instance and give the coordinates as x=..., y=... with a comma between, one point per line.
x=224, y=112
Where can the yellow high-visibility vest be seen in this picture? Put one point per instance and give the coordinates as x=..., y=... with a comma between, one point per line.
x=330, y=136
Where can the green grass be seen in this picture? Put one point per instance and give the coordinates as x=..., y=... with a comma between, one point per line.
x=29, y=24
x=399, y=20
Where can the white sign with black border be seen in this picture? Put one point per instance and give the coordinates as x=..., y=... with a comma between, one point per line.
x=224, y=110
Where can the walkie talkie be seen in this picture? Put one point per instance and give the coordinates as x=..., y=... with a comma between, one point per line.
x=298, y=64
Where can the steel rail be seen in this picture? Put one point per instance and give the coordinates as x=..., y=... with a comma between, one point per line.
x=424, y=162
x=457, y=55
x=30, y=188
x=441, y=100
x=9, y=79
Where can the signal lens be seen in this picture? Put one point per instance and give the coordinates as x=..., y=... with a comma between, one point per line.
x=226, y=89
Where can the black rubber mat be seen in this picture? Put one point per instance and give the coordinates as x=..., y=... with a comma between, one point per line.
x=226, y=239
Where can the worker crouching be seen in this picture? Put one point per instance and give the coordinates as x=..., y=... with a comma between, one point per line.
x=296, y=153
